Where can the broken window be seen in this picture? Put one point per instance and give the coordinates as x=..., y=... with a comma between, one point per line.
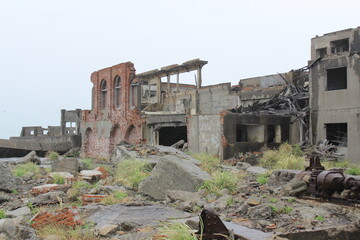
x=117, y=92
x=103, y=94
x=241, y=135
x=45, y=132
x=152, y=90
x=321, y=52
x=340, y=46
x=32, y=132
x=133, y=94
x=336, y=133
x=336, y=78
x=170, y=135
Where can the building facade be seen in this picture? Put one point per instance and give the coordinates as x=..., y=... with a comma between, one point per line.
x=335, y=90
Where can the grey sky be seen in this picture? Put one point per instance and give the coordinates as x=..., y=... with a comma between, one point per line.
x=48, y=49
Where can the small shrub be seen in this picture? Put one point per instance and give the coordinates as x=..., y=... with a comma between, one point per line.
x=274, y=209
x=52, y=155
x=88, y=162
x=320, y=218
x=131, y=172
x=119, y=195
x=230, y=201
x=262, y=179
x=2, y=213
x=209, y=163
x=273, y=200
x=22, y=169
x=176, y=231
x=284, y=158
x=58, y=179
x=220, y=181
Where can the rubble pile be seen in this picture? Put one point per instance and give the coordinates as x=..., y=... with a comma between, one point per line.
x=254, y=209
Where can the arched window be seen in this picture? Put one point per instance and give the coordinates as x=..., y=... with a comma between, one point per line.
x=103, y=94
x=117, y=91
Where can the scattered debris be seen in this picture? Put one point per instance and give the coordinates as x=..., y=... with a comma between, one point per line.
x=67, y=217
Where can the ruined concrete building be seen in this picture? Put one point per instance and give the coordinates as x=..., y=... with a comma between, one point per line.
x=335, y=87
x=223, y=120
x=150, y=108
x=53, y=138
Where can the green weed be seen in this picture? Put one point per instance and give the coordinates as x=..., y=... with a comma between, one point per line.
x=131, y=172
x=262, y=179
x=52, y=155
x=220, y=181
x=283, y=158
x=209, y=163
x=88, y=162
x=2, y=213
x=176, y=231
x=22, y=169
x=320, y=218
x=58, y=179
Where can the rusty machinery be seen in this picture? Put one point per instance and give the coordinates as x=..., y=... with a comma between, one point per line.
x=324, y=183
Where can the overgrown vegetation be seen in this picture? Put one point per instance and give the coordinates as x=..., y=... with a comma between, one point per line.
x=221, y=180
x=58, y=179
x=83, y=184
x=52, y=155
x=22, y=169
x=286, y=157
x=285, y=210
x=131, y=172
x=66, y=233
x=209, y=163
x=2, y=214
x=320, y=218
x=176, y=231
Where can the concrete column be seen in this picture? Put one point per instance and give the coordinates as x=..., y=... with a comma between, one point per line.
x=158, y=90
x=177, y=82
x=278, y=134
x=168, y=82
x=62, y=121
x=199, y=80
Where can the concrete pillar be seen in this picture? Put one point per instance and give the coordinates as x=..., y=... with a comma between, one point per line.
x=168, y=82
x=62, y=121
x=177, y=82
x=158, y=90
x=278, y=134
x=199, y=80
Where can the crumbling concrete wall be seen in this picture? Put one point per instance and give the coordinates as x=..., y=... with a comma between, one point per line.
x=336, y=106
x=204, y=133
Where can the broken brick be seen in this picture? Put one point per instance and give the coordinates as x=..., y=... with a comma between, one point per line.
x=63, y=217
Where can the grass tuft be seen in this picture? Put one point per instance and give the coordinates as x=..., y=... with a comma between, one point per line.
x=2, y=213
x=58, y=179
x=130, y=172
x=286, y=157
x=52, y=155
x=22, y=169
x=114, y=198
x=89, y=163
x=65, y=233
x=220, y=181
x=209, y=163
x=262, y=179
x=176, y=231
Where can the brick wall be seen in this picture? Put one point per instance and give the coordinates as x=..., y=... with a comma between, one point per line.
x=101, y=128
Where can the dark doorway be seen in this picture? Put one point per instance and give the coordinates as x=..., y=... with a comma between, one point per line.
x=336, y=133
x=170, y=135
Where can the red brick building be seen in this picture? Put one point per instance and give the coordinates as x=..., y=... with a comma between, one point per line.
x=114, y=115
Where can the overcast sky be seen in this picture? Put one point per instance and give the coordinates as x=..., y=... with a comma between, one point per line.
x=48, y=49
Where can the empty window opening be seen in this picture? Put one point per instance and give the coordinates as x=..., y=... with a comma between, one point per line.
x=241, y=133
x=117, y=92
x=170, y=135
x=32, y=132
x=103, y=94
x=133, y=95
x=45, y=132
x=68, y=124
x=270, y=134
x=336, y=133
x=336, y=78
x=152, y=90
x=321, y=52
x=340, y=46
